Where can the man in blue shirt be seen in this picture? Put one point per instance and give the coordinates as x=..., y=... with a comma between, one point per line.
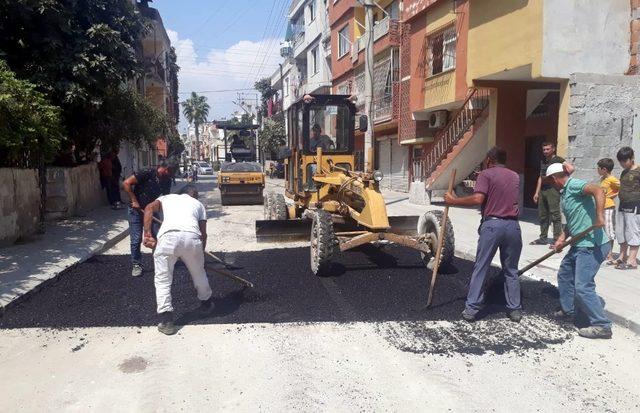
x=583, y=206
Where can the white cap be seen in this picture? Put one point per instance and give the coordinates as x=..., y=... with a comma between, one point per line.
x=554, y=168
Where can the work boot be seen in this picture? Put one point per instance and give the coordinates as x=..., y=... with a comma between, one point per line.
x=514, y=315
x=166, y=325
x=561, y=315
x=595, y=332
x=137, y=270
x=466, y=316
x=206, y=307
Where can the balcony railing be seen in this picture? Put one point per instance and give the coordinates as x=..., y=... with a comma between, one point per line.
x=381, y=29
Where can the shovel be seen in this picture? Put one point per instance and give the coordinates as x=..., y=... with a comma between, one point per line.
x=227, y=274
x=567, y=243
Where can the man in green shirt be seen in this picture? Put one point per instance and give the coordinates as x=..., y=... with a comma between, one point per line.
x=583, y=206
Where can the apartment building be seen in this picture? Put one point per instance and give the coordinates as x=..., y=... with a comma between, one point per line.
x=454, y=77
x=348, y=37
x=478, y=73
x=306, y=68
x=157, y=86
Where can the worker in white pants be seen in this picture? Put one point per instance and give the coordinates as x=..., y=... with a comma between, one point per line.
x=182, y=235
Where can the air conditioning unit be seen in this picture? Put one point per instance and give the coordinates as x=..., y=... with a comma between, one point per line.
x=438, y=119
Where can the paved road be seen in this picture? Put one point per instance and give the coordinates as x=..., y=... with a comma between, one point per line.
x=358, y=340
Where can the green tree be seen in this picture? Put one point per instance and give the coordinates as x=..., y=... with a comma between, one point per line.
x=30, y=126
x=272, y=136
x=196, y=110
x=80, y=53
x=266, y=92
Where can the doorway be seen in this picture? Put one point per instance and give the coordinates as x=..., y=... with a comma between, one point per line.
x=533, y=157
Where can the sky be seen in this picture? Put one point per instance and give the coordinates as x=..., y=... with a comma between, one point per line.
x=223, y=45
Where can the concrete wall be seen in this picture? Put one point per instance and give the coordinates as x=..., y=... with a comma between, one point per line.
x=19, y=204
x=586, y=36
x=601, y=119
x=72, y=191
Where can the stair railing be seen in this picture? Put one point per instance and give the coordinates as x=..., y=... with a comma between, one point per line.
x=473, y=107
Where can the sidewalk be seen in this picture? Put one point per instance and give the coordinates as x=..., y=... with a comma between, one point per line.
x=620, y=289
x=24, y=267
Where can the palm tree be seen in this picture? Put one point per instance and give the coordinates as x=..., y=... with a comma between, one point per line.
x=196, y=110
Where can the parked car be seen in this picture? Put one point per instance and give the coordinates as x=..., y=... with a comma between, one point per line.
x=204, y=168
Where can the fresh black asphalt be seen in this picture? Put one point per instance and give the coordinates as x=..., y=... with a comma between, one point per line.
x=369, y=284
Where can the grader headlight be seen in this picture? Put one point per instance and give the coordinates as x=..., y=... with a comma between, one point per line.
x=377, y=176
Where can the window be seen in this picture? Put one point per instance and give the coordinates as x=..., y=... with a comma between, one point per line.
x=286, y=86
x=442, y=51
x=312, y=11
x=329, y=128
x=314, y=60
x=343, y=41
x=393, y=10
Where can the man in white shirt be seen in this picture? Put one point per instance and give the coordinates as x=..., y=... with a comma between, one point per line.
x=182, y=235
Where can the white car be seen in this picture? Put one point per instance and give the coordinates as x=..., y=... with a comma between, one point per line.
x=204, y=168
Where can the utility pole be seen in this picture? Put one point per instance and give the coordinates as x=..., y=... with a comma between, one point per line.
x=369, y=150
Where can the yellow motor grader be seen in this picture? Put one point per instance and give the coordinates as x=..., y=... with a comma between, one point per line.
x=331, y=204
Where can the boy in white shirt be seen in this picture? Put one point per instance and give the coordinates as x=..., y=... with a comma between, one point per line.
x=182, y=235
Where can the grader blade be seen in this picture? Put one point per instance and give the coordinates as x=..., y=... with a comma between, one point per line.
x=286, y=230
x=404, y=225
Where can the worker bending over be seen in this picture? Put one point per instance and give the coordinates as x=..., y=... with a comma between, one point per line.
x=583, y=206
x=497, y=191
x=182, y=235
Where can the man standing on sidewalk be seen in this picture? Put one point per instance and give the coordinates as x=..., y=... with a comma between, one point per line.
x=183, y=235
x=583, y=206
x=143, y=188
x=497, y=191
x=547, y=197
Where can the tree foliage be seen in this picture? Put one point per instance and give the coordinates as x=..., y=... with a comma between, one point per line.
x=29, y=125
x=196, y=110
x=266, y=92
x=272, y=136
x=81, y=54
x=173, y=70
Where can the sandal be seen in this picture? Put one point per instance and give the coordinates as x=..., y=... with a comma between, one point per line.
x=623, y=266
x=615, y=262
x=539, y=241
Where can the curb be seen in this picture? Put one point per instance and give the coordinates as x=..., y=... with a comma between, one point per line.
x=616, y=318
x=109, y=243
x=99, y=249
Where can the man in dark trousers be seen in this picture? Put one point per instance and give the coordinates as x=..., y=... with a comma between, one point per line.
x=143, y=187
x=548, y=198
x=497, y=191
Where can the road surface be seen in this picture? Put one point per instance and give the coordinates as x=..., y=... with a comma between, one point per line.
x=357, y=340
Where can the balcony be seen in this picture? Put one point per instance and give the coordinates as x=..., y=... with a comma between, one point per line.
x=380, y=29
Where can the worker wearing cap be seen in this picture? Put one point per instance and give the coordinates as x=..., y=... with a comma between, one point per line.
x=182, y=235
x=583, y=206
x=497, y=190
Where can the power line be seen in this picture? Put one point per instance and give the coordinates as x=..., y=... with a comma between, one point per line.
x=264, y=33
x=217, y=91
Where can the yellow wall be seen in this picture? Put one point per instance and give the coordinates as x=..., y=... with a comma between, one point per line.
x=359, y=18
x=441, y=88
x=563, y=120
x=505, y=35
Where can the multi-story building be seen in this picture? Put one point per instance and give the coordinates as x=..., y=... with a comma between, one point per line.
x=453, y=78
x=348, y=39
x=306, y=67
x=157, y=86
x=478, y=73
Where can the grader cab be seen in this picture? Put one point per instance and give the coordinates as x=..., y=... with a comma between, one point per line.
x=327, y=201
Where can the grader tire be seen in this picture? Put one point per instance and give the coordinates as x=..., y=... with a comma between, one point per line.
x=279, y=207
x=268, y=206
x=323, y=243
x=431, y=223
